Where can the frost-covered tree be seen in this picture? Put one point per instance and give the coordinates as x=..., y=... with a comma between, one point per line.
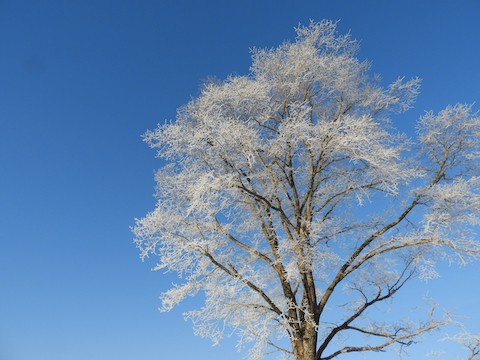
x=290, y=201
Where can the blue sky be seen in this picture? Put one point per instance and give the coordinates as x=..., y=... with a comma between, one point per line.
x=80, y=81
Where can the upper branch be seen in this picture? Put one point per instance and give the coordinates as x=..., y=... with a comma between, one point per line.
x=344, y=270
x=243, y=245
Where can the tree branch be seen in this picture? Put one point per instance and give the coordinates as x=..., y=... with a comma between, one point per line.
x=233, y=273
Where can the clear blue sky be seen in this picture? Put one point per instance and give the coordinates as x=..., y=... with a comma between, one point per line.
x=81, y=80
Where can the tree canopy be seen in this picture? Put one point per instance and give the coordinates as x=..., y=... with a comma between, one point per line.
x=289, y=199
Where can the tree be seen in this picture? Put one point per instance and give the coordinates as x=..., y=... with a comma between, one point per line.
x=292, y=203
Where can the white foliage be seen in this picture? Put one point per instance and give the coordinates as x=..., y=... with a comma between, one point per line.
x=261, y=192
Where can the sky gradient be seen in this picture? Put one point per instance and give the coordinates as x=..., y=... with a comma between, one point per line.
x=81, y=81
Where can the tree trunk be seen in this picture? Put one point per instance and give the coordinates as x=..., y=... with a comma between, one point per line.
x=305, y=346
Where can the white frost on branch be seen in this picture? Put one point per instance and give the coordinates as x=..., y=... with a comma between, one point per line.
x=258, y=205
